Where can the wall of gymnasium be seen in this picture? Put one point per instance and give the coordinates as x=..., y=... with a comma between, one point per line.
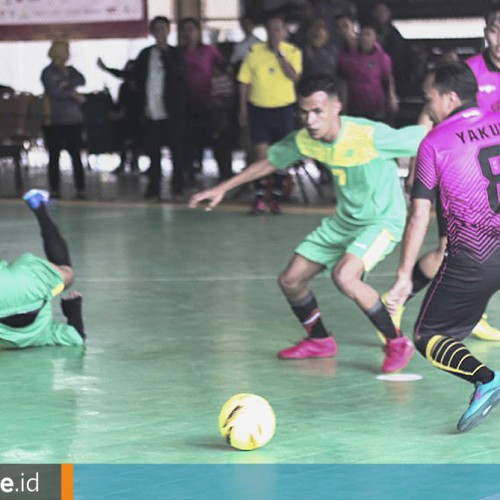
x=23, y=61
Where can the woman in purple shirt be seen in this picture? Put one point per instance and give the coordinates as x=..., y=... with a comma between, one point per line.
x=200, y=62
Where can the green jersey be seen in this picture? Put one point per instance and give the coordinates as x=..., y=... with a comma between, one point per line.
x=363, y=167
x=29, y=284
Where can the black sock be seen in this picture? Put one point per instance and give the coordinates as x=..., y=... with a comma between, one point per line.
x=72, y=309
x=381, y=319
x=307, y=312
x=277, y=187
x=419, y=280
x=56, y=248
x=450, y=355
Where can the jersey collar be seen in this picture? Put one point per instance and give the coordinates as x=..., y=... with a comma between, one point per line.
x=463, y=107
x=489, y=62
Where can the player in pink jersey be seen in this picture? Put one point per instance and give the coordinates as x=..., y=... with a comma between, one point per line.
x=486, y=66
x=460, y=158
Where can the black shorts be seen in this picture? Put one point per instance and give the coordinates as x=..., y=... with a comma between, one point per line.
x=458, y=296
x=270, y=125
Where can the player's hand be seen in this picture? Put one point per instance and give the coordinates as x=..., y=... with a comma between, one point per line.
x=214, y=196
x=399, y=293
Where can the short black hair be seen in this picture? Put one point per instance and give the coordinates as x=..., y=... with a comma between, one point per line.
x=454, y=76
x=159, y=19
x=318, y=83
x=491, y=12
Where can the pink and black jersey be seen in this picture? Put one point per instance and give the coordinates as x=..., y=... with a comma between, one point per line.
x=461, y=157
x=488, y=81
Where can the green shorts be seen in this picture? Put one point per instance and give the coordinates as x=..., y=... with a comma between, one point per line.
x=331, y=240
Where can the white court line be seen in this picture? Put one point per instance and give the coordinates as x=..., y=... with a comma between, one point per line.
x=187, y=279
x=170, y=280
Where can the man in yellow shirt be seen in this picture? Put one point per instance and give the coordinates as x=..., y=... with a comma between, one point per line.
x=267, y=95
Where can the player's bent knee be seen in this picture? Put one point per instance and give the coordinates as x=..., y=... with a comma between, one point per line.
x=288, y=284
x=68, y=275
x=344, y=280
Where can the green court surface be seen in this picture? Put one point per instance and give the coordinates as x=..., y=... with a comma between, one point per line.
x=182, y=311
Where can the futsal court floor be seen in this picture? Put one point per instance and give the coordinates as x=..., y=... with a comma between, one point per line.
x=182, y=311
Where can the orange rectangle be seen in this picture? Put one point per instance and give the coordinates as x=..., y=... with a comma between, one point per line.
x=67, y=482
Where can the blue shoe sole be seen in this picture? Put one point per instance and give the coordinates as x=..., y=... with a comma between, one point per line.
x=472, y=421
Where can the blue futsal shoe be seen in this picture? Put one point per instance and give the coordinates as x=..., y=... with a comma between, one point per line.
x=485, y=397
x=35, y=197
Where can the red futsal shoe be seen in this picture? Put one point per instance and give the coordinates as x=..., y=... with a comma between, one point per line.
x=398, y=353
x=311, y=348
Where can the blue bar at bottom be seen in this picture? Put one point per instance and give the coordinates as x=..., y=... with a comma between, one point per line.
x=270, y=482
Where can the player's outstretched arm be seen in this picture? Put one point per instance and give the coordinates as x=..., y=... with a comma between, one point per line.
x=214, y=196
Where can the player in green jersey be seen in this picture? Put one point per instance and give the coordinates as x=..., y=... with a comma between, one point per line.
x=29, y=283
x=367, y=225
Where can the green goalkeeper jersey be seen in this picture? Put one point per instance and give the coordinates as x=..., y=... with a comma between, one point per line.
x=29, y=284
x=362, y=163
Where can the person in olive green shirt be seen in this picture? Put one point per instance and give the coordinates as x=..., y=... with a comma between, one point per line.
x=28, y=285
x=368, y=223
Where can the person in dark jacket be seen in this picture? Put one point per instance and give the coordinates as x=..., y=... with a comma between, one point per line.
x=127, y=116
x=161, y=82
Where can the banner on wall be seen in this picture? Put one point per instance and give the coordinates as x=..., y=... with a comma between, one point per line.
x=73, y=19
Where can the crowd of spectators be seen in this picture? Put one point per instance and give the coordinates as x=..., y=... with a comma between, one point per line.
x=194, y=96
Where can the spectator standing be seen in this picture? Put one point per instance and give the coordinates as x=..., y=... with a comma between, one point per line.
x=63, y=117
x=347, y=36
x=127, y=115
x=390, y=38
x=319, y=57
x=330, y=11
x=369, y=79
x=201, y=61
x=267, y=96
x=159, y=74
x=308, y=13
x=223, y=119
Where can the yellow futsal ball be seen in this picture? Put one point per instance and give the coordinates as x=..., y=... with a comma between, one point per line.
x=247, y=421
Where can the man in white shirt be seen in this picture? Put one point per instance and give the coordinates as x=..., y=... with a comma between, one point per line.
x=161, y=82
